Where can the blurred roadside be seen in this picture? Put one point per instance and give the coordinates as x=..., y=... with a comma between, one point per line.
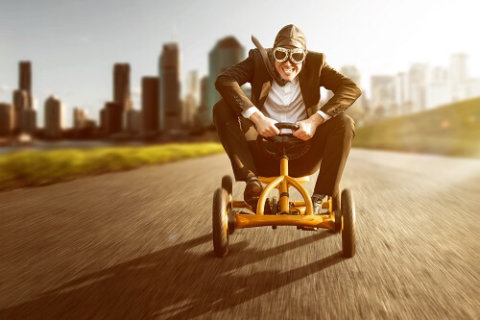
x=451, y=130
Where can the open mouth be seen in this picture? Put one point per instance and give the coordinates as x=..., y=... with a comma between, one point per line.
x=288, y=71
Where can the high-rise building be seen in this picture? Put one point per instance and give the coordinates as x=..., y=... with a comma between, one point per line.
x=190, y=106
x=170, y=104
x=402, y=93
x=150, y=105
x=383, y=95
x=227, y=52
x=418, y=76
x=112, y=117
x=438, y=89
x=80, y=118
x=102, y=116
x=21, y=103
x=28, y=121
x=121, y=93
x=193, y=84
x=202, y=114
x=459, y=76
x=134, y=121
x=25, y=115
x=191, y=99
x=53, y=117
x=121, y=85
x=204, y=91
x=7, y=119
x=82, y=124
x=25, y=80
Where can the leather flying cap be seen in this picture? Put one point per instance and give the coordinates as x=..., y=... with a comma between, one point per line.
x=290, y=35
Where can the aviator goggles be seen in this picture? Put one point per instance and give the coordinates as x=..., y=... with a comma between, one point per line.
x=296, y=55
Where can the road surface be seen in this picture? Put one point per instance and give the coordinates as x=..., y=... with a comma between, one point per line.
x=137, y=245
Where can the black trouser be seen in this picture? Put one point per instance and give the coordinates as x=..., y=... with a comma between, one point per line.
x=330, y=146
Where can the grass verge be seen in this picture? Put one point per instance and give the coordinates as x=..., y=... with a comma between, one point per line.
x=452, y=130
x=35, y=168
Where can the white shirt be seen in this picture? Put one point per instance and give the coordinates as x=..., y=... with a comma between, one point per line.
x=284, y=104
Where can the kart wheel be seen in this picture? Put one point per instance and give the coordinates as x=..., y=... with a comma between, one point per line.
x=227, y=183
x=348, y=230
x=338, y=221
x=338, y=214
x=221, y=208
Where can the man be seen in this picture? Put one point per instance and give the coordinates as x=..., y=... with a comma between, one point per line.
x=287, y=92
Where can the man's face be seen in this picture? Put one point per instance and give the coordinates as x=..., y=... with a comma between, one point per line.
x=288, y=70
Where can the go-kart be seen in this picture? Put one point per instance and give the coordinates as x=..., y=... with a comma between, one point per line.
x=229, y=215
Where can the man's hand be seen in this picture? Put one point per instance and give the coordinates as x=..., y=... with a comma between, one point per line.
x=308, y=127
x=265, y=125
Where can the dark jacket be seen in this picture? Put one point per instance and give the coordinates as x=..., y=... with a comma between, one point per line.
x=315, y=73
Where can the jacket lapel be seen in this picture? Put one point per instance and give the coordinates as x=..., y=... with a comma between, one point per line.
x=303, y=81
x=264, y=92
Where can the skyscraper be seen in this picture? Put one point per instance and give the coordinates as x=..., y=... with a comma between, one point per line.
x=418, y=78
x=383, y=95
x=133, y=121
x=25, y=80
x=83, y=126
x=150, y=105
x=21, y=103
x=53, y=117
x=402, y=93
x=201, y=115
x=227, y=52
x=112, y=118
x=7, y=119
x=121, y=85
x=459, y=76
x=438, y=90
x=81, y=119
x=25, y=115
x=191, y=99
x=170, y=103
x=29, y=121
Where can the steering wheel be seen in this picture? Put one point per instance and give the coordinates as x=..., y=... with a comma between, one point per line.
x=284, y=144
x=287, y=125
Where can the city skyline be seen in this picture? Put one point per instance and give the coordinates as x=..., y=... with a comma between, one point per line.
x=365, y=27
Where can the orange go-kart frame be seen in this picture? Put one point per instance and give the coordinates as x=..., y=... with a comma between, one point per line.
x=305, y=217
x=227, y=215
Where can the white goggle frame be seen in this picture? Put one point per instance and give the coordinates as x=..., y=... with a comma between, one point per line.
x=289, y=54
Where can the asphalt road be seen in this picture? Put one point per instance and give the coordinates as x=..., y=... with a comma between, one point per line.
x=137, y=245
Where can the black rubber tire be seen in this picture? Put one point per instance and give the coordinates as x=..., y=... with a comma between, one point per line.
x=338, y=221
x=220, y=222
x=348, y=230
x=338, y=214
x=227, y=183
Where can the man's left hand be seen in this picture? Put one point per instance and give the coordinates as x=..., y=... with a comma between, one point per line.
x=308, y=127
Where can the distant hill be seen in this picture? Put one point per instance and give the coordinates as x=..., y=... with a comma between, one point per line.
x=452, y=129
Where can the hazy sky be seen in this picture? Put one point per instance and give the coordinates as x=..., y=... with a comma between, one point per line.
x=74, y=44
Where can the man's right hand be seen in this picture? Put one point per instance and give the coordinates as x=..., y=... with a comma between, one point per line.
x=265, y=126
